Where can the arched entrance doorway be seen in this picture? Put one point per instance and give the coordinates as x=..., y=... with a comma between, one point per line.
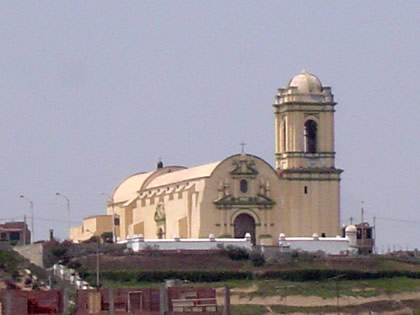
x=243, y=224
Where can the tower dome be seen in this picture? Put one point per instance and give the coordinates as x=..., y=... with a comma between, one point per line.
x=306, y=83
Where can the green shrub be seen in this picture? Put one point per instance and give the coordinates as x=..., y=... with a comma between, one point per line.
x=257, y=258
x=237, y=253
x=59, y=251
x=9, y=262
x=322, y=275
x=74, y=264
x=107, y=237
x=15, y=275
x=216, y=276
x=160, y=276
x=93, y=239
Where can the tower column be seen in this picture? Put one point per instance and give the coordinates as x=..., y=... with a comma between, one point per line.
x=307, y=165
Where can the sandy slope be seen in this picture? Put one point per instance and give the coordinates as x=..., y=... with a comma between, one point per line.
x=239, y=297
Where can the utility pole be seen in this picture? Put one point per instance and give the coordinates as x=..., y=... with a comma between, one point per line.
x=24, y=229
x=111, y=201
x=97, y=257
x=68, y=212
x=31, y=207
x=362, y=212
x=97, y=264
x=374, y=233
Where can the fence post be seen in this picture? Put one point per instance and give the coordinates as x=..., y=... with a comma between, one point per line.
x=65, y=301
x=226, y=308
x=163, y=300
x=8, y=305
x=111, y=301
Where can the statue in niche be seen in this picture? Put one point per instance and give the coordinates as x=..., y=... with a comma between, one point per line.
x=262, y=187
x=226, y=191
x=160, y=212
x=221, y=189
x=267, y=189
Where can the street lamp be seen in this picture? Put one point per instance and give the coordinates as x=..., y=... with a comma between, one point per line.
x=31, y=206
x=111, y=200
x=68, y=211
x=97, y=258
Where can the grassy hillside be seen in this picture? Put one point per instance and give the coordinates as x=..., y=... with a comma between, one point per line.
x=12, y=270
x=220, y=261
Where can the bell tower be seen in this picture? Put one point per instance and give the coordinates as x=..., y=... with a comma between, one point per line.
x=305, y=155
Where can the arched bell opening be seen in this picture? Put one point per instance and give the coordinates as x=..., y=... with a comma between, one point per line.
x=310, y=132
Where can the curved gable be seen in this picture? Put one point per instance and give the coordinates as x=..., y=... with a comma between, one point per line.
x=183, y=175
x=232, y=157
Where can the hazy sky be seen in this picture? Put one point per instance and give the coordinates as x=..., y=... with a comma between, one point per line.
x=93, y=91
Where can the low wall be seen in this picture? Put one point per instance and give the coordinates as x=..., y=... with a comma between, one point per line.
x=328, y=245
x=138, y=243
x=34, y=252
x=5, y=246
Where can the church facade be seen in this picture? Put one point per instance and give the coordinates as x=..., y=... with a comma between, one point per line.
x=243, y=193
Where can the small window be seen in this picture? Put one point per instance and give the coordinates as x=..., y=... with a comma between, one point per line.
x=243, y=186
x=14, y=236
x=305, y=189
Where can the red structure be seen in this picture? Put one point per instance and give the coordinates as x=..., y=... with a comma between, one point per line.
x=147, y=301
x=31, y=302
x=122, y=301
x=141, y=301
x=190, y=300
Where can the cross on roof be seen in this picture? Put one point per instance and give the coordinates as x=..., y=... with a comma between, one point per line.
x=242, y=144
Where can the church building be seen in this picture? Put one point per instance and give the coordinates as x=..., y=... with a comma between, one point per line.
x=241, y=194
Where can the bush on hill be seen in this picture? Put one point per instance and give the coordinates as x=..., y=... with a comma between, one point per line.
x=257, y=258
x=237, y=253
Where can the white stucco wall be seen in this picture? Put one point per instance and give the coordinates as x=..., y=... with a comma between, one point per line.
x=329, y=245
x=138, y=243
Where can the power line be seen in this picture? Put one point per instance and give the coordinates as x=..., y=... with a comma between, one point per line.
x=11, y=218
x=398, y=220
x=39, y=219
x=54, y=220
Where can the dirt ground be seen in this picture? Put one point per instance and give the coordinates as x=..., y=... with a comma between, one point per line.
x=404, y=302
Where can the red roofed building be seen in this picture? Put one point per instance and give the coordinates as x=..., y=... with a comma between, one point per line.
x=16, y=233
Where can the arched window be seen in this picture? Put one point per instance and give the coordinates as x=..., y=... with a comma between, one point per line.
x=243, y=185
x=311, y=130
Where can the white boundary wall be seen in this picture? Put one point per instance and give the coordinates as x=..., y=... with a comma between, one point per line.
x=138, y=243
x=329, y=245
